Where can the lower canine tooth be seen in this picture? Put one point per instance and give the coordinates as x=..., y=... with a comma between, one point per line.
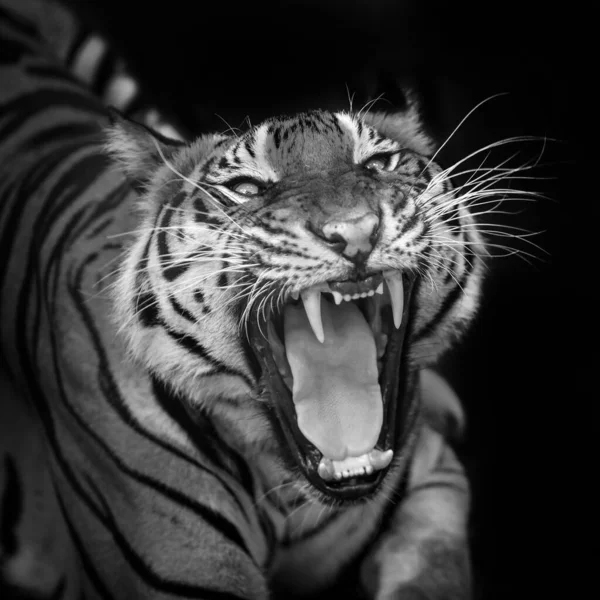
x=326, y=470
x=380, y=460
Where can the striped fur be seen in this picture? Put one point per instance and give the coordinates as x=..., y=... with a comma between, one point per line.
x=125, y=360
x=89, y=56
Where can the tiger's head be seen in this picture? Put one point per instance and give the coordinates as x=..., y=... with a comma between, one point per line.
x=291, y=282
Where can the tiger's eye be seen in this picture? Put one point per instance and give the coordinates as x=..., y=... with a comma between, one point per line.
x=376, y=163
x=246, y=188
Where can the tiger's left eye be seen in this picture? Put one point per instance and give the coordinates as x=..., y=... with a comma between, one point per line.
x=381, y=162
x=247, y=187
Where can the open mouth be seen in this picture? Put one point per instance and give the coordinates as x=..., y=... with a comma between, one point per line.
x=334, y=361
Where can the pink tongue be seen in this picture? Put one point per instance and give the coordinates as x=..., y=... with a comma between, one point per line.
x=335, y=391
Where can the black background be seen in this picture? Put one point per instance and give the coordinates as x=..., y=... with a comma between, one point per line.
x=520, y=376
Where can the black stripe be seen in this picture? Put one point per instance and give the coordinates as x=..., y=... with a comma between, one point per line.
x=63, y=133
x=426, y=173
x=82, y=36
x=199, y=296
x=192, y=345
x=338, y=127
x=17, y=22
x=249, y=149
x=277, y=137
x=11, y=506
x=202, y=432
x=143, y=262
x=12, y=52
x=27, y=105
x=28, y=186
x=78, y=178
x=99, y=228
x=182, y=311
x=172, y=271
x=451, y=299
x=86, y=562
x=54, y=73
x=104, y=72
x=101, y=208
x=277, y=229
x=272, y=539
x=146, y=307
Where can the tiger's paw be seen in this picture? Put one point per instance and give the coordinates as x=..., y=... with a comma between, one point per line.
x=440, y=570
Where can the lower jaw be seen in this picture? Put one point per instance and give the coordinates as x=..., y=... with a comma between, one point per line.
x=401, y=418
x=401, y=399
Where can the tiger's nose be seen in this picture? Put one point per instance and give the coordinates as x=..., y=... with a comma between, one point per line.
x=355, y=237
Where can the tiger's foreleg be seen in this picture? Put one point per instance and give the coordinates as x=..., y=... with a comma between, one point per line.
x=424, y=553
x=37, y=560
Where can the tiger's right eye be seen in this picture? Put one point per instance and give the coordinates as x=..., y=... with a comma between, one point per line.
x=382, y=162
x=377, y=163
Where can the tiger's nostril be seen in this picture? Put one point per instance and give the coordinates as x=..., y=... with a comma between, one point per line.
x=336, y=242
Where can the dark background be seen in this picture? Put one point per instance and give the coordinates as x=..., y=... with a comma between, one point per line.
x=519, y=372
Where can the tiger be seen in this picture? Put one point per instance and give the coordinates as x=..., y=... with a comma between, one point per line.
x=218, y=354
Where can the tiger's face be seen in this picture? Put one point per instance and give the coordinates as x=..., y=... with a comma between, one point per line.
x=293, y=280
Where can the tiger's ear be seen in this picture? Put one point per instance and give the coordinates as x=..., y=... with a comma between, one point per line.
x=404, y=124
x=137, y=149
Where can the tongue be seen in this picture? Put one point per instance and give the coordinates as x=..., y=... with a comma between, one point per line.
x=335, y=391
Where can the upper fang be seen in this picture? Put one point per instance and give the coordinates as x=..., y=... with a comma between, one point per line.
x=312, y=305
x=394, y=281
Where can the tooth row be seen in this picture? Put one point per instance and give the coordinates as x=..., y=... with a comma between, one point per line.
x=360, y=471
x=354, y=466
x=311, y=299
x=337, y=297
